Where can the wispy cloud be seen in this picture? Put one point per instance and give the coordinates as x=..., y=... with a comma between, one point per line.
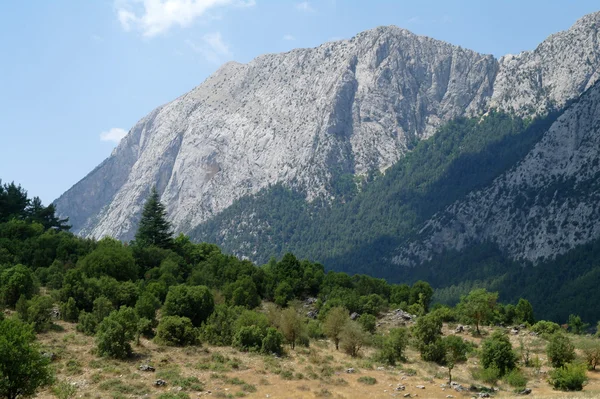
x=304, y=6
x=115, y=134
x=288, y=37
x=97, y=38
x=213, y=48
x=155, y=17
x=414, y=20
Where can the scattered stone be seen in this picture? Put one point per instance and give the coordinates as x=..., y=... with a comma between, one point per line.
x=354, y=316
x=484, y=395
x=459, y=329
x=514, y=331
x=160, y=383
x=380, y=368
x=407, y=395
x=449, y=396
x=420, y=386
x=350, y=370
x=400, y=388
x=49, y=355
x=525, y=391
x=147, y=367
x=312, y=314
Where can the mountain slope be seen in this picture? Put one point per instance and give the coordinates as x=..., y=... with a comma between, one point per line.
x=311, y=119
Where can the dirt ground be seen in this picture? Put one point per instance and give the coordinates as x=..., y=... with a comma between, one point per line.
x=316, y=372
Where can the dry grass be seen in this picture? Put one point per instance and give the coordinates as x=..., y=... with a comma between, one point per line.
x=316, y=372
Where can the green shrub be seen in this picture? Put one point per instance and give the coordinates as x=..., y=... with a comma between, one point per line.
x=591, y=353
x=87, y=323
x=427, y=332
x=393, y=346
x=368, y=322
x=116, y=332
x=570, y=377
x=516, y=379
x=489, y=375
x=176, y=331
x=196, y=303
x=314, y=329
x=249, y=338
x=272, y=342
x=560, y=350
x=69, y=310
x=367, y=380
x=352, y=338
x=219, y=328
x=545, y=327
x=14, y=282
x=497, y=352
x=38, y=313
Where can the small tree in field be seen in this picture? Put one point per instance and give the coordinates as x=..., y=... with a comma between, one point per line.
x=560, y=350
x=478, y=306
x=22, y=367
x=116, y=332
x=352, y=337
x=335, y=321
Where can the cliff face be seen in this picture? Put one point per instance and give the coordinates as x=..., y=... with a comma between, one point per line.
x=306, y=117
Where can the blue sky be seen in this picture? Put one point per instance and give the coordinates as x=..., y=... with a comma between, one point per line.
x=76, y=74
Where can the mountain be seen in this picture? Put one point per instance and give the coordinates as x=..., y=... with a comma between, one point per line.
x=390, y=154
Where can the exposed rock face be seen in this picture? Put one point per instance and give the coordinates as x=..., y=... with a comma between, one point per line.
x=305, y=117
x=542, y=207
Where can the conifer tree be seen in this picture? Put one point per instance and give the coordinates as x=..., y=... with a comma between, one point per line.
x=154, y=228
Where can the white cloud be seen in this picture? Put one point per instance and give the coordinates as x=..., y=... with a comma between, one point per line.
x=305, y=7
x=213, y=48
x=97, y=38
x=154, y=17
x=115, y=134
x=414, y=20
x=288, y=37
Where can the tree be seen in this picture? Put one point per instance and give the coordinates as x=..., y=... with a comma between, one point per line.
x=154, y=228
x=570, y=377
x=14, y=282
x=478, y=306
x=116, y=332
x=146, y=307
x=110, y=258
x=292, y=325
x=497, y=353
x=421, y=293
x=177, y=331
x=394, y=346
x=23, y=369
x=195, y=303
x=456, y=351
x=352, y=338
x=428, y=332
x=524, y=311
x=335, y=321
x=271, y=343
x=560, y=350
x=576, y=325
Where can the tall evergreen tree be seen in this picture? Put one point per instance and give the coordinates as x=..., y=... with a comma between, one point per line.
x=154, y=228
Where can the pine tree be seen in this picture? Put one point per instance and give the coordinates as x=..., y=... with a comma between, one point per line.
x=154, y=228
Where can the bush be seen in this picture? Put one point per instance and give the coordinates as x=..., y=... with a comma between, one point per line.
x=314, y=329
x=368, y=322
x=367, y=380
x=176, y=331
x=545, y=327
x=497, y=352
x=516, y=379
x=146, y=306
x=427, y=332
x=434, y=352
x=272, y=342
x=393, y=346
x=489, y=375
x=591, y=353
x=14, y=282
x=249, y=338
x=38, y=313
x=335, y=321
x=570, y=377
x=219, y=328
x=560, y=350
x=195, y=303
x=116, y=332
x=69, y=310
x=110, y=258
x=352, y=338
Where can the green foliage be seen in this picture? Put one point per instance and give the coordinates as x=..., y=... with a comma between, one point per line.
x=570, y=377
x=116, y=332
x=576, y=325
x=195, y=303
x=367, y=380
x=591, y=352
x=272, y=342
x=176, y=331
x=283, y=293
x=154, y=228
x=292, y=326
x=352, y=338
x=146, y=306
x=334, y=324
x=516, y=379
x=22, y=367
x=427, y=332
x=110, y=258
x=368, y=322
x=69, y=310
x=14, y=282
x=478, y=306
x=497, y=353
x=545, y=327
x=393, y=346
x=218, y=329
x=38, y=313
x=560, y=350
x=64, y=390
x=242, y=292
x=249, y=338
x=524, y=312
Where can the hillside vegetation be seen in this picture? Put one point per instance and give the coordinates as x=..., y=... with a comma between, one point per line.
x=206, y=319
